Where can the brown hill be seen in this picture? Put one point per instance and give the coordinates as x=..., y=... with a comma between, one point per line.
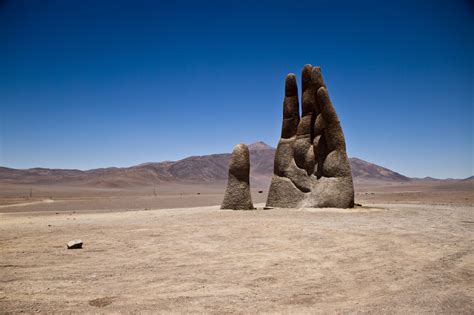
x=363, y=170
x=195, y=169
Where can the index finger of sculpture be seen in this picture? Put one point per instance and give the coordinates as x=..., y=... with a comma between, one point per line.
x=308, y=97
x=317, y=81
x=333, y=131
x=302, y=149
x=317, y=77
x=291, y=114
x=308, y=104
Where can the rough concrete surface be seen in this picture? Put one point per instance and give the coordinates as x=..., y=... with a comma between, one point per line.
x=311, y=166
x=237, y=195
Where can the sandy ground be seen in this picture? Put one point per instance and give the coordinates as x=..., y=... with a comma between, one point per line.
x=15, y=198
x=380, y=258
x=60, y=199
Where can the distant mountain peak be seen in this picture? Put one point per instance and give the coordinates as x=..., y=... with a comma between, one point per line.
x=364, y=170
x=260, y=145
x=469, y=179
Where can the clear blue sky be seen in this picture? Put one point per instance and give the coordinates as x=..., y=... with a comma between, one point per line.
x=86, y=84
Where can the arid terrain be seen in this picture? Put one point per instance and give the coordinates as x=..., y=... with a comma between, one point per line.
x=407, y=248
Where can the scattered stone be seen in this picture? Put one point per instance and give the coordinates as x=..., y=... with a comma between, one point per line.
x=237, y=195
x=311, y=166
x=75, y=244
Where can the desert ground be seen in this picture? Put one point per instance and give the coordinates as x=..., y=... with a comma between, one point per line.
x=409, y=248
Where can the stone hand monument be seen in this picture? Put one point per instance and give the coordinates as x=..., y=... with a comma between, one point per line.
x=311, y=164
x=237, y=195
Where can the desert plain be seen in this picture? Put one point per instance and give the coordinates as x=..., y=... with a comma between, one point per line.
x=406, y=248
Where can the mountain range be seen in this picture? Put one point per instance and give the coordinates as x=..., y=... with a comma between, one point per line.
x=194, y=169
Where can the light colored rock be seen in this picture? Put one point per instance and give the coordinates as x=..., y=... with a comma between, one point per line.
x=74, y=244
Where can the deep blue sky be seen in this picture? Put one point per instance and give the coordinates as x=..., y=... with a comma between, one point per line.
x=86, y=84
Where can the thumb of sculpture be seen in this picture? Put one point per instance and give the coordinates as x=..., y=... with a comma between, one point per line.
x=237, y=195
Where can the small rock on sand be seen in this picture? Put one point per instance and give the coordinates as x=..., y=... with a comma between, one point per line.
x=74, y=244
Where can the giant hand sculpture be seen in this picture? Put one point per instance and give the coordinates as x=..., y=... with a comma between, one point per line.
x=311, y=164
